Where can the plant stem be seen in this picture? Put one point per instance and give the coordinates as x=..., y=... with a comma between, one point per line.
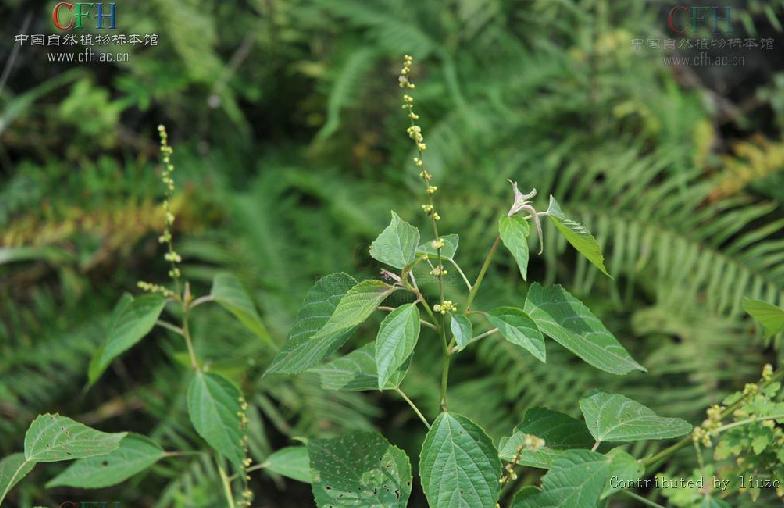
x=444, y=366
x=414, y=407
x=187, y=335
x=482, y=272
x=646, y=502
x=169, y=326
x=460, y=271
x=226, y=486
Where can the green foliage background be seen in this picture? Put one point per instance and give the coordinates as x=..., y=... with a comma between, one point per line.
x=290, y=150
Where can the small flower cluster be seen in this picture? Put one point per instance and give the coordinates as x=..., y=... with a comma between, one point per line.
x=531, y=443
x=168, y=181
x=247, y=494
x=149, y=287
x=445, y=307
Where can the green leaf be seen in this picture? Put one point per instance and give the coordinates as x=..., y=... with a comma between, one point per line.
x=12, y=469
x=462, y=329
x=576, y=480
x=355, y=371
x=395, y=342
x=615, y=418
x=559, y=431
x=624, y=469
x=359, y=469
x=131, y=320
x=514, y=233
x=769, y=316
x=135, y=454
x=299, y=352
x=52, y=438
x=524, y=493
x=447, y=251
x=577, y=235
x=459, y=465
x=519, y=329
x=213, y=407
x=292, y=462
x=396, y=245
x=227, y=290
x=569, y=322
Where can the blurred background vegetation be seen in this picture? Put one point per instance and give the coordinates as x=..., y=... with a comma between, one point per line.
x=290, y=149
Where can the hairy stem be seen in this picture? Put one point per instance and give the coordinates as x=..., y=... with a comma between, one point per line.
x=413, y=406
x=226, y=487
x=482, y=272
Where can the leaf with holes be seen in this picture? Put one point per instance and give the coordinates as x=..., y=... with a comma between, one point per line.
x=135, y=454
x=355, y=371
x=559, y=432
x=516, y=327
x=447, y=251
x=462, y=329
x=568, y=321
x=616, y=418
x=514, y=232
x=769, y=316
x=576, y=480
x=359, y=469
x=395, y=342
x=301, y=351
x=459, y=465
x=396, y=245
x=213, y=407
x=131, y=320
x=227, y=290
x=292, y=462
x=52, y=438
x=577, y=235
x=12, y=469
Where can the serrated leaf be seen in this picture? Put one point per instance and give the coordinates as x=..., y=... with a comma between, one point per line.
x=12, y=469
x=213, y=407
x=52, y=438
x=459, y=465
x=769, y=316
x=576, y=480
x=624, y=469
x=228, y=291
x=292, y=462
x=559, y=432
x=516, y=327
x=356, y=371
x=524, y=493
x=514, y=232
x=447, y=251
x=299, y=352
x=568, y=321
x=462, y=329
x=135, y=454
x=396, y=245
x=131, y=320
x=359, y=469
x=577, y=235
x=395, y=342
x=616, y=418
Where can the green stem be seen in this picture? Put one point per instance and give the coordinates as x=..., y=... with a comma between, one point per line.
x=444, y=365
x=226, y=487
x=413, y=407
x=482, y=272
x=646, y=502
